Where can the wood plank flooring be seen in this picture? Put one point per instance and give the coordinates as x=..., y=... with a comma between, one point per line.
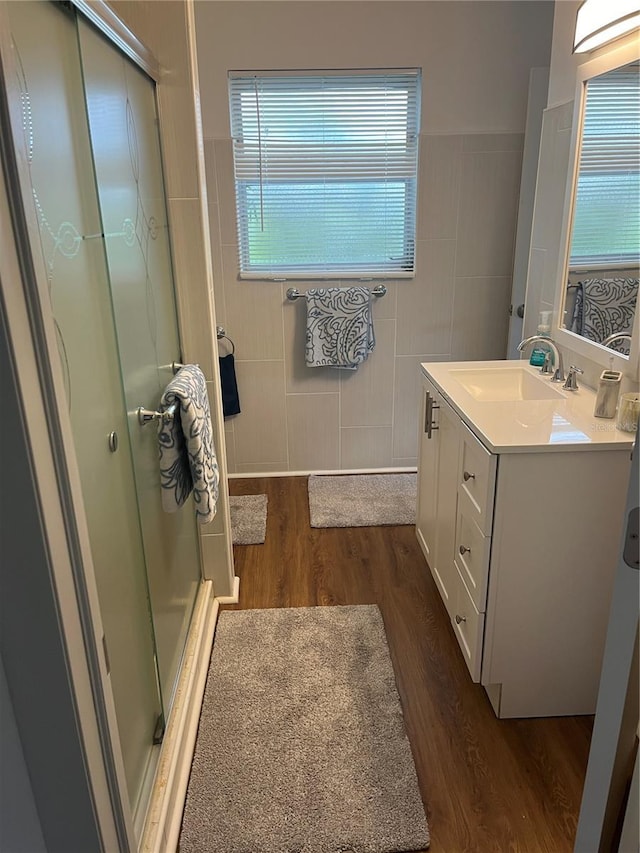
x=488, y=785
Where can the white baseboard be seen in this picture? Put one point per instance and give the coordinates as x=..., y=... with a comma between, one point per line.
x=234, y=598
x=320, y=473
x=164, y=817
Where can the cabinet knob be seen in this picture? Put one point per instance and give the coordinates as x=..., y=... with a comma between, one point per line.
x=460, y=619
x=464, y=550
x=467, y=476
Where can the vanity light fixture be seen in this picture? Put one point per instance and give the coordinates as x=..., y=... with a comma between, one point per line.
x=601, y=21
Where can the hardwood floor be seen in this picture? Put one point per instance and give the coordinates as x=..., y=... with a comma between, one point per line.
x=488, y=785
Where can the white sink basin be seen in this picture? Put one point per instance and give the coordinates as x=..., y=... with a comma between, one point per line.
x=505, y=384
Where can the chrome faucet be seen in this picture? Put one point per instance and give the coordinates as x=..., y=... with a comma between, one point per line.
x=572, y=378
x=558, y=375
x=615, y=336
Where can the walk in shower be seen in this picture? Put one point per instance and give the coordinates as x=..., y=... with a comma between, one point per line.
x=87, y=131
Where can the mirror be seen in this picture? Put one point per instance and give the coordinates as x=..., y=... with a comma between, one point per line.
x=602, y=270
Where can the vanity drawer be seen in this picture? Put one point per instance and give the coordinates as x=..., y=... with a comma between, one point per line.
x=472, y=552
x=477, y=479
x=468, y=626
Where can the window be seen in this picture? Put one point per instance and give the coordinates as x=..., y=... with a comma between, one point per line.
x=325, y=172
x=606, y=219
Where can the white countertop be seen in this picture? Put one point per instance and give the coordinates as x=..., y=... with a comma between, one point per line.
x=566, y=422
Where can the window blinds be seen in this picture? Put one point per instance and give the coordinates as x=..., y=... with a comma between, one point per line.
x=325, y=170
x=606, y=224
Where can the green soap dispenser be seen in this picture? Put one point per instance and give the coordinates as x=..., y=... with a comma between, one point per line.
x=539, y=352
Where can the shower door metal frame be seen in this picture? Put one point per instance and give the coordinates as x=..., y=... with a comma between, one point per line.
x=105, y=19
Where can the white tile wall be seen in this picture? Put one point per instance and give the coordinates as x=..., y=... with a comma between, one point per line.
x=425, y=304
x=439, y=188
x=261, y=428
x=313, y=432
x=214, y=230
x=486, y=228
x=481, y=308
x=230, y=440
x=366, y=394
x=296, y=418
x=254, y=313
x=190, y=265
x=366, y=447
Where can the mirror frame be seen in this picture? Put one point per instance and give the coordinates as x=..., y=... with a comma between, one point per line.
x=583, y=346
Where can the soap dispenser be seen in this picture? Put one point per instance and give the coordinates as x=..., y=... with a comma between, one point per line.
x=540, y=351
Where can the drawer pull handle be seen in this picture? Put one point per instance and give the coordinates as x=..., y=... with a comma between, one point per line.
x=460, y=619
x=467, y=476
x=464, y=550
x=428, y=414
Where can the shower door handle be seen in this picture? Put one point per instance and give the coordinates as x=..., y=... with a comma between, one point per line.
x=146, y=415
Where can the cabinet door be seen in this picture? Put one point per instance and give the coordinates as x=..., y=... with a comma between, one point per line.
x=443, y=566
x=427, y=474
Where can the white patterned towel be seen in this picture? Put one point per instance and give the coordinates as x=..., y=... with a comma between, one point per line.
x=187, y=455
x=604, y=306
x=339, y=327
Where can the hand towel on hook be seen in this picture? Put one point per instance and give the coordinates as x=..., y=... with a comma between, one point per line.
x=339, y=327
x=187, y=455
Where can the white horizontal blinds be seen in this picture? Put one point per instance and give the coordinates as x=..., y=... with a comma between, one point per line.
x=606, y=226
x=325, y=168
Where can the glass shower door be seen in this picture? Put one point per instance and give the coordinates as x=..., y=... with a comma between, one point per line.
x=88, y=131
x=121, y=109
x=55, y=141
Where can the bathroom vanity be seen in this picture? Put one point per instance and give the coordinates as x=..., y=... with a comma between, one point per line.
x=521, y=496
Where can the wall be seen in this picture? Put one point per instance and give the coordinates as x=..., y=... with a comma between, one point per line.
x=555, y=150
x=476, y=58
x=166, y=30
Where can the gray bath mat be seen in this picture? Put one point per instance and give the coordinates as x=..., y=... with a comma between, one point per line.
x=248, y=519
x=362, y=500
x=301, y=744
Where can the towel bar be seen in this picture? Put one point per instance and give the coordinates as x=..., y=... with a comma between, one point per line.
x=146, y=415
x=294, y=293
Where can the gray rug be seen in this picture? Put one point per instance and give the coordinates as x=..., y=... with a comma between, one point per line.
x=362, y=500
x=301, y=746
x=248, y=519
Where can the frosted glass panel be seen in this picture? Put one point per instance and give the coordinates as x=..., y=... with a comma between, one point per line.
x=62, y=187
x=123, y=124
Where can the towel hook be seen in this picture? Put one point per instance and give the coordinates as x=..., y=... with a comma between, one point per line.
x=221, y=333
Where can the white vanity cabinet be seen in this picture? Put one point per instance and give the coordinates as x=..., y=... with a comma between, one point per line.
x=522, y=545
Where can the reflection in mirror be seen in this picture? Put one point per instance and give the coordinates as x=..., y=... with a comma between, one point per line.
x=604, y=255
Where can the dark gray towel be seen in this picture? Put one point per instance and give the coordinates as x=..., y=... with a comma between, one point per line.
x=230, y=397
